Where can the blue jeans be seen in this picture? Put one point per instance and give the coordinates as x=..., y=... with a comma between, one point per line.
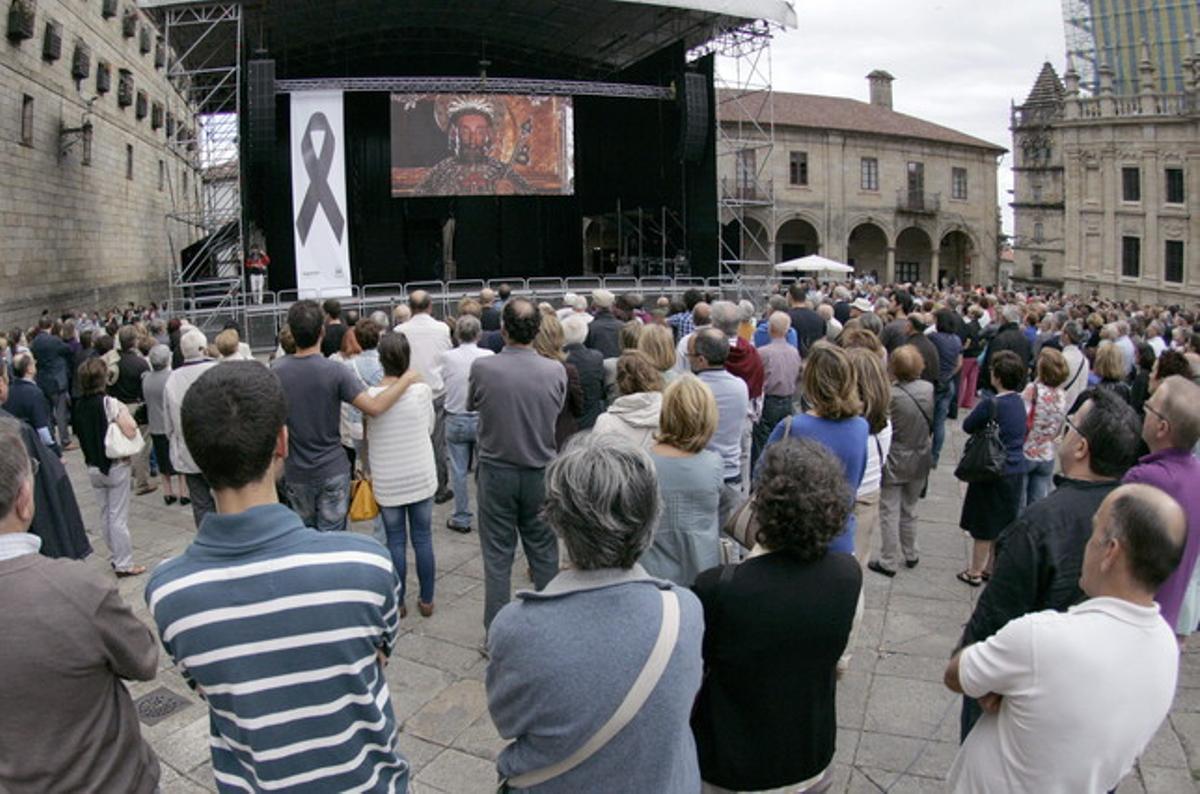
x=396, y=521
x=941, y=408
x=461, y=432
x=1038, y=481
x=322, y=505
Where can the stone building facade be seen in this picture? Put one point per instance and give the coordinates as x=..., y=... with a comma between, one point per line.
x=893, y=195
x=94, y=154
x=1107, y=187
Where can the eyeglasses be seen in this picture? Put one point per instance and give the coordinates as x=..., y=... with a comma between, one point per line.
x=1068, y=426
x=1155, y=411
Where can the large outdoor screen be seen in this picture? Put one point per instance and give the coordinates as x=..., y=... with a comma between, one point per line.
x=482, y=145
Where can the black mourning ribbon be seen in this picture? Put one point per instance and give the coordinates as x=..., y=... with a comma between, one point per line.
x=317, y=167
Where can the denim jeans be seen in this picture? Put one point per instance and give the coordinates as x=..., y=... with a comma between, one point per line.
x=941, y=407
x=322, y=505
x=1038, y=481
x=461, y=432
x=400, y=522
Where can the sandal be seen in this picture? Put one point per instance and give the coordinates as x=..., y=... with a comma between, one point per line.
x=136, y=570
x=986, y=576
x=966, y=577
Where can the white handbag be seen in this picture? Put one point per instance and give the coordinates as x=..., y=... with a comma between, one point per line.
x=116, y=444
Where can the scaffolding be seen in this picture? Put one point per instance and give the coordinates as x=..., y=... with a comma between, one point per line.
x=1079, y=27
x=1117, y=33
x=745, y=126
x=204, y=228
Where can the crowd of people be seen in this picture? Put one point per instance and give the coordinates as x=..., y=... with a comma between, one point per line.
x=697, y=485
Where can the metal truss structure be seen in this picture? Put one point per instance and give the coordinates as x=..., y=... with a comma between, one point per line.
x=745, y=128
x=204, y=228
x=478, y=85
x=1079, y=25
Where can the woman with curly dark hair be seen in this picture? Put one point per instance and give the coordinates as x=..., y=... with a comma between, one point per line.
x=776, y=627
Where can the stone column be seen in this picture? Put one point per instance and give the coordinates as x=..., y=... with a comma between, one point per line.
x=935, y=257
x=890, y=271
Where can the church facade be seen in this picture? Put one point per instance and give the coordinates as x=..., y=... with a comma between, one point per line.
x=1107, y=187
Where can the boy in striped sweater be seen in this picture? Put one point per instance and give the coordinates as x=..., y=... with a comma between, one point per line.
x=283, y=630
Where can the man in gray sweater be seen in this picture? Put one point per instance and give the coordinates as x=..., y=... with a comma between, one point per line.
x=518, y=395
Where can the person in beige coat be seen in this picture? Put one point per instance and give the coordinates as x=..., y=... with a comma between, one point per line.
x=634, y=414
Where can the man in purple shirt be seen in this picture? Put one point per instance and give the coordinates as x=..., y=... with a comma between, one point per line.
x=1170, y=428
x=781, y=367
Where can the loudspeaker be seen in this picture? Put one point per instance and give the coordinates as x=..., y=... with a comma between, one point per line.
x=260, y=106
x=696, y=118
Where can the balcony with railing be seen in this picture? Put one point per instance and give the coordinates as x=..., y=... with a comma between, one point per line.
x=918, y=202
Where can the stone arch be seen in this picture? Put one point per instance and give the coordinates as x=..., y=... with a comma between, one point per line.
x=796, y=237
x=957, y=255
x=866, y=249
x=914, y=255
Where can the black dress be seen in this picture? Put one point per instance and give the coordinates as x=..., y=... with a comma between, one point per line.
x=989, y=507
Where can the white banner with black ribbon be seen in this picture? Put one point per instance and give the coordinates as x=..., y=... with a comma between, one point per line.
x=319, y=195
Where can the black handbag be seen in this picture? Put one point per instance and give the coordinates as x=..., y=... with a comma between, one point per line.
x=984, y=454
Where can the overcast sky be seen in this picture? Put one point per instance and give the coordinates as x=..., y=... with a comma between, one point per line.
x=956, y=62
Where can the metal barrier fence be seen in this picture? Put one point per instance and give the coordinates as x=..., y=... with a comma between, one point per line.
x=261, y=322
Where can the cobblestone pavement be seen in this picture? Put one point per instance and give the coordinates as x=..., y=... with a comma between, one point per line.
x=898, y=726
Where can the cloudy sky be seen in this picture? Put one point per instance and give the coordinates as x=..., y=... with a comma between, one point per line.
x=957, y=62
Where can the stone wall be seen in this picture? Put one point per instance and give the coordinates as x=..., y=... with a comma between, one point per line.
x=76, y=234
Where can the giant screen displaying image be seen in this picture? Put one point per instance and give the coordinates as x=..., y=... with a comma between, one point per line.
x=482, y=145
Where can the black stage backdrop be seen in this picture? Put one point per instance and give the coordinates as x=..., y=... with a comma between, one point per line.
x=624, y=149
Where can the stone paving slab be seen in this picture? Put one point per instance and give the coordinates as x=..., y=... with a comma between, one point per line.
x=897, y=724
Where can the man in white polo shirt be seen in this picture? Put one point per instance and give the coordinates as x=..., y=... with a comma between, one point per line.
x=1073, y=698
x=428, y=339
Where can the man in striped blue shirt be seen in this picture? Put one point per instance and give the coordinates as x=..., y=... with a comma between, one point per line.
x=283, y=630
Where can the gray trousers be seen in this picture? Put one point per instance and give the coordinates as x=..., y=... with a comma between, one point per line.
x=202, y=498
x=509, y=499
x=60, y=403
x=898, y=523
x=439, y=444
x=112, y=500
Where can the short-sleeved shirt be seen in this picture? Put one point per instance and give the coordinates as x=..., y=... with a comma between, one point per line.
x=1063, y=678
x=315, y=388
x=949, y=348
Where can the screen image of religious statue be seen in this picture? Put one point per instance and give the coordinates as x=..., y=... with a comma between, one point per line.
x=481, y=145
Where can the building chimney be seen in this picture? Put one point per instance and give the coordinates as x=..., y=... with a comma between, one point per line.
x=881, y=88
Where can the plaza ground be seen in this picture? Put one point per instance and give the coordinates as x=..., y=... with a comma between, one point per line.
x=898, y=725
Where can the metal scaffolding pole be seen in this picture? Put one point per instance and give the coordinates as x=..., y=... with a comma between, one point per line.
x=205, y=46
x=745, y=144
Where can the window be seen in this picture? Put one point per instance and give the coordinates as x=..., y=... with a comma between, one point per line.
x=26, y=120
x=958, y=183
x=1037, y=191
x=745, y=169
x=1131, y=256
x=1173, y=262
x=129, y=161
x=1174, y=185
x=1038, y=268
x=908, y=271
x=798, y=172
x=162, y=174
x=870, y=173
x=1131, y=184
x=1039, y=233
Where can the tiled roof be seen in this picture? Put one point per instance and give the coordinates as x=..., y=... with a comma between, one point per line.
x=1047, y=88
x=839, y=113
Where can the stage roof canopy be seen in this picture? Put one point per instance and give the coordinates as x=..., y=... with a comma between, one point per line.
x=570, y=39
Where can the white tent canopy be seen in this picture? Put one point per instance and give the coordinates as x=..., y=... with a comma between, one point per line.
x=812, y=264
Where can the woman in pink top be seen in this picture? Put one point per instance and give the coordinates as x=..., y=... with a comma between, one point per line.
x=1046, y=405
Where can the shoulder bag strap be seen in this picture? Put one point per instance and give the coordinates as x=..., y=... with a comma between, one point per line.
x=647, y=680
x=924, y=415
x=1078, y=372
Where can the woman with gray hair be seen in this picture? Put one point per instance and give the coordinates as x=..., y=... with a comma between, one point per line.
x=553, y=689
x=154, y=383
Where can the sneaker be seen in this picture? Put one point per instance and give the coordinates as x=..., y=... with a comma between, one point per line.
x=443, y=497
x=461, y=530
x=169, y=499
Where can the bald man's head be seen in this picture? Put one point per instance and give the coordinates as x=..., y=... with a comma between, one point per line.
x=420, y=302
x=1149, y=527
x=701, y=314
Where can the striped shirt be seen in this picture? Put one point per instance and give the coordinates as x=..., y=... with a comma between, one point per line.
x=400, y=449
x=278, y=627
